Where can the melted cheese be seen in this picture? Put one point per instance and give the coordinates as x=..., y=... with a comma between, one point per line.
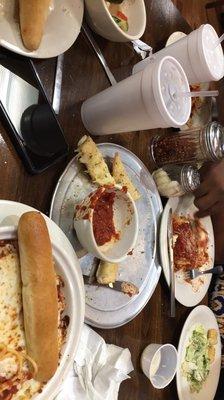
x=90, y=155
x=121, y=177
x=11, y=320
x=11, y=324
x=12, y=334
x=8, y=368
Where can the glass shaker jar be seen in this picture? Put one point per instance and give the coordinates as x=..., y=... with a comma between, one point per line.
x=189, y=147
x=176, y=180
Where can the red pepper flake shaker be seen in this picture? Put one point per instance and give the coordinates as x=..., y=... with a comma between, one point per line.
x=189, y=147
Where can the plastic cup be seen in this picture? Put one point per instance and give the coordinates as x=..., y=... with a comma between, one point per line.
x=198, y=53
x=147, y=100
x=159, y=364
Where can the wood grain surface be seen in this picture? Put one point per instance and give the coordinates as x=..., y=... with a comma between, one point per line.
x=82, y=77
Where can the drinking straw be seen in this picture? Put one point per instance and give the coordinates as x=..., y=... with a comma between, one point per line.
x=200, y=93
x=219, y=41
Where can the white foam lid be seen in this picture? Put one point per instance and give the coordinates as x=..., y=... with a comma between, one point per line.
x=173, y=82
x=213, y=55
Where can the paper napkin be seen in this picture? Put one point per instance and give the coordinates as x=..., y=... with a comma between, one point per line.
x=98, y=371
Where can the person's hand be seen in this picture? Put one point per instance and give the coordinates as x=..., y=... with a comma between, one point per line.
x=209, y=197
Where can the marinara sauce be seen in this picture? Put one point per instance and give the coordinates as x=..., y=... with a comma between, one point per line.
x=103, y=219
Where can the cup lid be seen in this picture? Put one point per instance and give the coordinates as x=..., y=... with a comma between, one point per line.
x=213, y=54
x=215, y=140
x=169, y=82
x=190, y=178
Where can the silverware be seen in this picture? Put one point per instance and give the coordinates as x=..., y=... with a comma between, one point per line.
x=194, y=273
x=92, y=275
x=57, y=84
x=171, y=263
x=119, y=286
x=99, y=53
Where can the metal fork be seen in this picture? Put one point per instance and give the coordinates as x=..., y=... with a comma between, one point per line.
x=194, y=273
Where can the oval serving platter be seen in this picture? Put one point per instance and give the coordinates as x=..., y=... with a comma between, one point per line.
x=72, y=187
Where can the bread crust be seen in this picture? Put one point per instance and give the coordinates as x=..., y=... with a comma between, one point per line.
x=90, y=155
x=39, y=292
x=106, y=272
x=33, y=15
x=121, y=177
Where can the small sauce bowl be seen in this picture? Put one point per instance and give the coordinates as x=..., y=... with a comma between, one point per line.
x=106, y=223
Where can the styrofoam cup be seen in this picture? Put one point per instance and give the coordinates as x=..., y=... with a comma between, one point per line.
x=146, y=100
x=200, y=57
x=159, y=364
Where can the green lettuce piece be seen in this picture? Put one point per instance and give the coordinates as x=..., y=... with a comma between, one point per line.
x=196, y=365
x=121, y=23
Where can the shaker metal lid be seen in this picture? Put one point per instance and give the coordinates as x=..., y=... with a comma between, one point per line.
x=215, y=140
x=190, y=178
x=213, y=53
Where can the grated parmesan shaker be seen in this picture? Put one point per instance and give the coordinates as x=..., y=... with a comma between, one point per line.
x=176, y=180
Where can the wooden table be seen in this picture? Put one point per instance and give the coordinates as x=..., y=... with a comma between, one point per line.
x=83, y=77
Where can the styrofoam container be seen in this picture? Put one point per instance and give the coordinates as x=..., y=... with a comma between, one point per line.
x=125, y=217
x=147, y=100
x=201, y=60
x=102, y=22
x=75, y=305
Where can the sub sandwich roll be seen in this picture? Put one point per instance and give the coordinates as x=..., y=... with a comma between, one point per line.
x=39, y=293
x=33, y=15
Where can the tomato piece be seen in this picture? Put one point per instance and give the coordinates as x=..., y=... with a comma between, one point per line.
x=122, y=16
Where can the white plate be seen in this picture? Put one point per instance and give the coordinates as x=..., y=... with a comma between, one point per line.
x=106, y=308
x=68, y=267
x=204, y=316
x=61, y=30
x=183, y=290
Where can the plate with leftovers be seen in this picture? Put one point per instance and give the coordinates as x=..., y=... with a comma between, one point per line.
x=201, y=106
x=41, y=291
x=98, y=168
x=199, y=356
x=193, y=247
x=40, y=28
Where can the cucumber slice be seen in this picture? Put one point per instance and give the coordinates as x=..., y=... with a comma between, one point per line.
x=121, y=23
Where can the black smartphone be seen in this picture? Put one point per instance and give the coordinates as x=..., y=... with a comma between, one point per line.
x=28, y=115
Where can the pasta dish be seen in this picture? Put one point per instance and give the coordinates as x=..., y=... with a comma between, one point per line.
x=190, y=243
x=16, y=367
